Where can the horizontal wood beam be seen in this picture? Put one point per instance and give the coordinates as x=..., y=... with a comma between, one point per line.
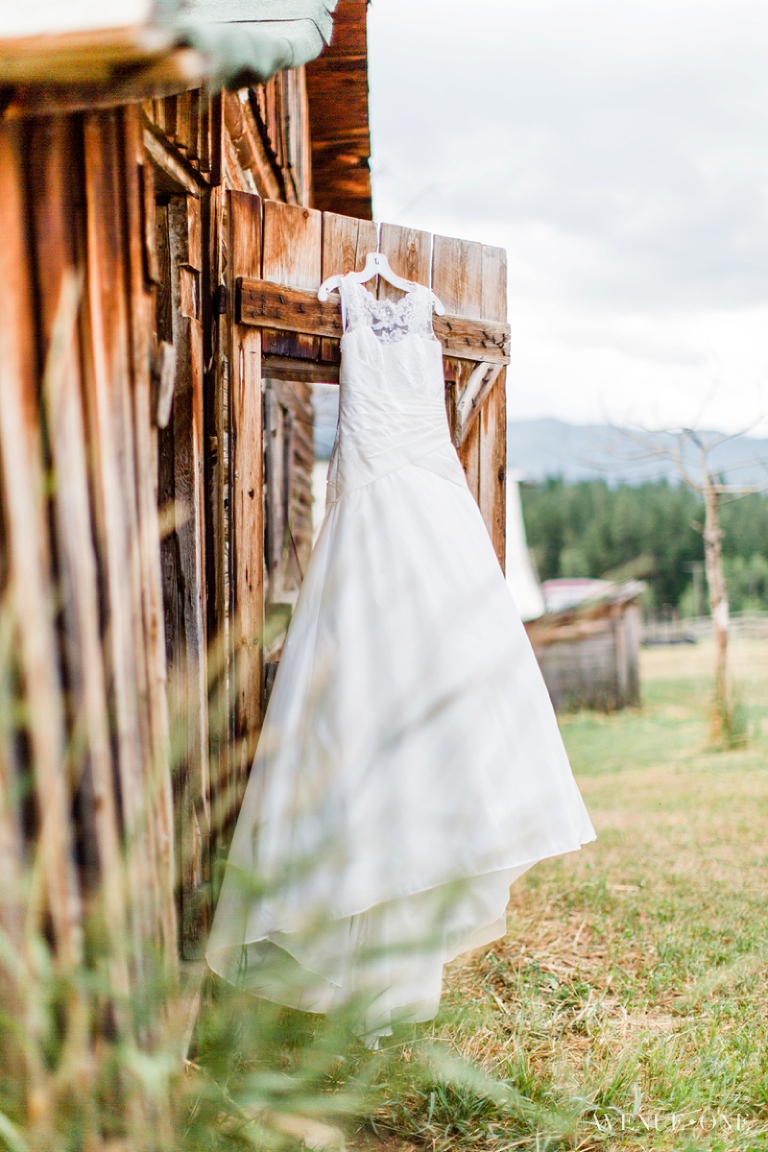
x=266, y=305
x=486, y=341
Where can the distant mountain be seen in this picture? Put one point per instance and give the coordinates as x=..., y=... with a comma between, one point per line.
x=542, y=448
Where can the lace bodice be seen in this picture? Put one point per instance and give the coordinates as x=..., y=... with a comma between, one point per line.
x=390, y=321
x=392, y=398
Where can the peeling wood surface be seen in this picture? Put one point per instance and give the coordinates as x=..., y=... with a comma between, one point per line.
x=256, y=171
x=172, y=162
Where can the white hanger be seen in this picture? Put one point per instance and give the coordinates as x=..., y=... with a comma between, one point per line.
x=376, y=264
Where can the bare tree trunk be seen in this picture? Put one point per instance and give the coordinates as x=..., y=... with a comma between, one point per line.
x=718, y=604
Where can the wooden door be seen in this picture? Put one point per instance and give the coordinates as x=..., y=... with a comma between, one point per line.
x=301, y=337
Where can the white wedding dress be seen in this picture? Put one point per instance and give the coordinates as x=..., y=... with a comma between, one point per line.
x=410, y=766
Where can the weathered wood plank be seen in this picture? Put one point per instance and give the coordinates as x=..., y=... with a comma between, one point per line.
x=110, y=435
x=204, y=131
x=249, y=150
x=296, y=398
x=248, y=501
x=493, y=465
x=220, y=589
x=472, y=399
x=346, y=243
x=193, y=785
x=457, y=275
x=285, y=368
x=52, y=149
x=471, y=279
x=176, y=167
x=473, y=339
x=493, y=416
x=494, y=283
x=292, y=245
x=270, y=305
x=292, y=255
x=138, y=183
x=276, y=481
x=460, y=373
x=409, y=252
x=460, y=289
x=275, y=306
x=183, y=131
x=341, y=145
x=24, y=509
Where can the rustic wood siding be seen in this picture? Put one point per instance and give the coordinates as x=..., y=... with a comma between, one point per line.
x=337, y=87
x=156, y=454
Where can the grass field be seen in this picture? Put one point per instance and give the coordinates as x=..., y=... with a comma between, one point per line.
x=628, y=1005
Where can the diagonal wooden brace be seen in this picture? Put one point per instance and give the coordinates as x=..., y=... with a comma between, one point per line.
x=471, y=400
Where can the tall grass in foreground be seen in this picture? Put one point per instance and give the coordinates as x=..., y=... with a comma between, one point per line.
x=626, y=1008
x=94, y=1038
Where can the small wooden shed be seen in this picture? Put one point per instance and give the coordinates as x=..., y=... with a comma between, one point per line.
x=587, y=643
x=163, y=239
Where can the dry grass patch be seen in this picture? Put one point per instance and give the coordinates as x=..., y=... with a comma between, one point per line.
x=626, y=1007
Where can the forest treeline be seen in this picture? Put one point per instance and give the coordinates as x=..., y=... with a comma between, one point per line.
x=591, y=529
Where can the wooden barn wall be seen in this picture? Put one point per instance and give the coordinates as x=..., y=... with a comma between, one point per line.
x=132, y=507
x=81, y=525
x=155, y=481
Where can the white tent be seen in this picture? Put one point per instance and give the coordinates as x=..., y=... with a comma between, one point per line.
x=521, y=577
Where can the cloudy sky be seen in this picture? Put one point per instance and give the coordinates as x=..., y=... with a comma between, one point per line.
x=618, y=149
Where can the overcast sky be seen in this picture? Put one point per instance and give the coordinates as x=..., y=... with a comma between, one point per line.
x=618, y=149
